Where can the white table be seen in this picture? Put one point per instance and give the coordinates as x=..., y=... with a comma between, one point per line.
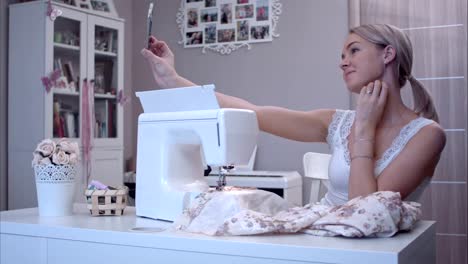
x=81, y=238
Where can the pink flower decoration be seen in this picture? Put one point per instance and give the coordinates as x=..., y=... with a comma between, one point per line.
x=50, y=81
x=122, y=98
x=52, y=12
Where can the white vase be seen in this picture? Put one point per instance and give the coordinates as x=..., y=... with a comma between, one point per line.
x=55, y=185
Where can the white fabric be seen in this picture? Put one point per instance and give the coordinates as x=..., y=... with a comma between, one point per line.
x=339, y=167
x=210, y=209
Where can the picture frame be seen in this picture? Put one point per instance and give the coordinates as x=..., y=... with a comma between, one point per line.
x=102, y=7
x=227, y=25
x=83, y=4
x=66, y=2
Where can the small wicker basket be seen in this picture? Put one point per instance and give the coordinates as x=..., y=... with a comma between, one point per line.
x=107, y=202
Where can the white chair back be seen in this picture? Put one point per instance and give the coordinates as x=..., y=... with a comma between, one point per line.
x=316, y=168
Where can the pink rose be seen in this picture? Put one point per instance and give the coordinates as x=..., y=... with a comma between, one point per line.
x=36, y=159
x=68, y=147
x=44, y=161
x=74, y=159
x=61, y=158
x=39, y=160
x=46, y=148
x=75, y=148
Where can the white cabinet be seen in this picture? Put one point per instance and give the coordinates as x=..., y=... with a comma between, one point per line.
x=23, y=249
x=75, y=51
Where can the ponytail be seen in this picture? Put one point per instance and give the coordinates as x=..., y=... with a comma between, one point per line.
x=423, y=103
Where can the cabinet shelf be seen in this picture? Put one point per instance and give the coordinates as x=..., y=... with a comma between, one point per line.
x=65, y=92
x=66, y=46
x=105, y=53
x=104, y=96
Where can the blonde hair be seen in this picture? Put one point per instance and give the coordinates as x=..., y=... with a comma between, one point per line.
x=384, y=35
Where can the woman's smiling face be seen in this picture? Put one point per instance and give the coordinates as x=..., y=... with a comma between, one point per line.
x=361, y=61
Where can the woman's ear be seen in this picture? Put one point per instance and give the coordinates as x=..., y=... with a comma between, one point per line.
x=389, y=54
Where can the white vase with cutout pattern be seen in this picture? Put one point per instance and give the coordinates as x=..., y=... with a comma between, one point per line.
x=55, y=185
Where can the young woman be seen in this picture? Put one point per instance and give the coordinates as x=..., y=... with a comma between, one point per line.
x=382, y=145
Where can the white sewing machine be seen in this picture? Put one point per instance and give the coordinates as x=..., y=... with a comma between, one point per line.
x=174, y=149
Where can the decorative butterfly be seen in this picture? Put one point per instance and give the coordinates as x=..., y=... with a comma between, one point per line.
x=122, y=98
x=53, y=12
x=50, y=81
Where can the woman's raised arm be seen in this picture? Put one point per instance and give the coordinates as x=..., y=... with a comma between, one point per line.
x=307, y=126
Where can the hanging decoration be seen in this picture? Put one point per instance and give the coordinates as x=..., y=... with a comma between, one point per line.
x=87, y=127
x=122, y=99
x=52, y=12
x=227, y=25
x=53, y=80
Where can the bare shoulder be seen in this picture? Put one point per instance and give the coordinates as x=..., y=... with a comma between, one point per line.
x=417, y=161
x=432, y=137
x=435, y=133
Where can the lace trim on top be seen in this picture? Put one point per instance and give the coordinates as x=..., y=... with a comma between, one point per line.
x=333, y=127
x=344, y=133
x=398, y=143
x=406, y=133
x=343, y=120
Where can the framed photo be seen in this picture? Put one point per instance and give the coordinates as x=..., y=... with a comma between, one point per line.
x=210, y=34
x=209, y=15
x=192, y=18
x=210, y=3
x=104, y=6
x=83, y=4
x=67, y=2
x=194, y=38
x=227, y=25
x=244, y=11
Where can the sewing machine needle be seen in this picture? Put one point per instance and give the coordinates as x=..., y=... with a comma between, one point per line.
x=221, y=180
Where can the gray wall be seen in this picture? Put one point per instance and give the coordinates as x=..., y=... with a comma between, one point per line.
x=298, y=70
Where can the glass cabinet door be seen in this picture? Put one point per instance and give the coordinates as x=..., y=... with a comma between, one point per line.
x=67, y=64
x=105, y=81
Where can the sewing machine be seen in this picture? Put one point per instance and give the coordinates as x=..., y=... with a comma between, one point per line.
x=175, y=147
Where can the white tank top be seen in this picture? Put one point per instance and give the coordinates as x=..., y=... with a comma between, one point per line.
x=339, y=167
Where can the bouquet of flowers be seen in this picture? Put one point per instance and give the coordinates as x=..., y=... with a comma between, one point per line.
x=64, y=152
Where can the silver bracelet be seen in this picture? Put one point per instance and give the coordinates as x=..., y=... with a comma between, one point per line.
x=362, y=157
x=363, y=139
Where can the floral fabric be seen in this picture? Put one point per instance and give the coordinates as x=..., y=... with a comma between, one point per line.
x=236, y=211
x=381, y=214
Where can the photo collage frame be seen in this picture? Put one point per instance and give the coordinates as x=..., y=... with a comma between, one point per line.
x=227, y=25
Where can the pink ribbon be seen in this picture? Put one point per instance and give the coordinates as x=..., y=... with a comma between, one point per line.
x=87, y=126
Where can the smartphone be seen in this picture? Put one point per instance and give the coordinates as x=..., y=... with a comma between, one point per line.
x=149, y=23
